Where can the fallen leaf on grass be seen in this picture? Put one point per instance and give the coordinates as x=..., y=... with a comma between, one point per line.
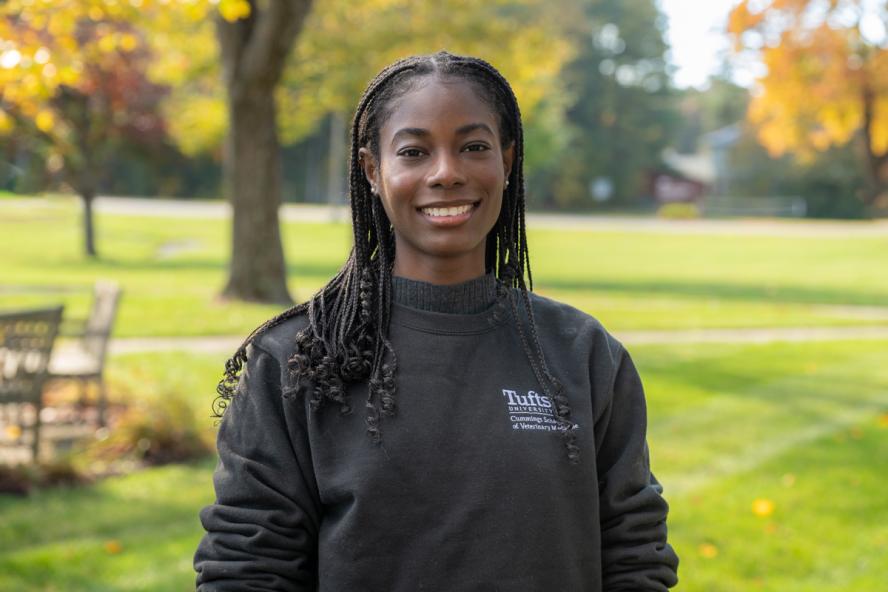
x=708, y=550
x=762, y=507
x=113, y=547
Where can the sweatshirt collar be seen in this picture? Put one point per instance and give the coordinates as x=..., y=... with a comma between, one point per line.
x=470, y=297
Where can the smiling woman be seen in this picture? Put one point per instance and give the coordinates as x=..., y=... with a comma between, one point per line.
x=441, y=185
x=506, y=446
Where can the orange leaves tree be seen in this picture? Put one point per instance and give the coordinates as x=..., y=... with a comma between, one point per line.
x=73, y=79
x=827, y=77
x=344, y=43
x=75, y=71
x=230, y=82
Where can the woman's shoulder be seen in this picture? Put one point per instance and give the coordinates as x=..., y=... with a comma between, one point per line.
x=562, y=313
x=278, y=338
x=568, y=321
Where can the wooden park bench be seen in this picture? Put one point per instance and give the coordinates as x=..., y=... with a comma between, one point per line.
x=26, y=342
x=82, y=356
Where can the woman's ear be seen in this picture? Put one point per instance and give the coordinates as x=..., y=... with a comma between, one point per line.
x=508, y=158
x=371, y=169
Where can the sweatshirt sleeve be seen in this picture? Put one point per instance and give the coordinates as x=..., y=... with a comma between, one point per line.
x=635, y=554
x=261, y=533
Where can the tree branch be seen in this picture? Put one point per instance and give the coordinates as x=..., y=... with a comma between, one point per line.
x=272, y=38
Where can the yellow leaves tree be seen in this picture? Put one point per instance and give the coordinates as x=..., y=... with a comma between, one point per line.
x=827, y=77
x=226, y=59
x=342, y=46
x=255, y=40
x=73, y=77
x=346, y=43
x=231, y=83
x=55, y=53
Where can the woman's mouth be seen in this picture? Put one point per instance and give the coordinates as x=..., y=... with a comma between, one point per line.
x=449, y=214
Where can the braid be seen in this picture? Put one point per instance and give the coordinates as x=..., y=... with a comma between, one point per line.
x=346, y=338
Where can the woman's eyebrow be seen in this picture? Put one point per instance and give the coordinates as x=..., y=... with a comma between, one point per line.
x=409, y=131
x=460, y=131
x=471, y=127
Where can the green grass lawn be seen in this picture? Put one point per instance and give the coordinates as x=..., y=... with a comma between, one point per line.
x=799, y=431
x=123, y=534
x=173, y=269
x=802, y=426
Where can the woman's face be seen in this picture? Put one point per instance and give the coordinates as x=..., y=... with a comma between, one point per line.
x=440, y=175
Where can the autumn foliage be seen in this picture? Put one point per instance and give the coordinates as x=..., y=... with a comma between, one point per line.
x=74, y=80
x=826, y=81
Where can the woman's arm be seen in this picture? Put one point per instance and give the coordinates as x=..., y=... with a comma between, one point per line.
x=262, y=531
x=635, y=555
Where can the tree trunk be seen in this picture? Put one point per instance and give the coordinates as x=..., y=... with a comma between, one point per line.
x=253, y=174
x=89, y=242
x=91, y=147
x=877, y=164
x=254, y=50
x=83, y=178
x=336, y=169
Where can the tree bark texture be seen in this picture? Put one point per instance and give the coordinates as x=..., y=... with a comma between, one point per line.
x=254, y=52
x=257, y=270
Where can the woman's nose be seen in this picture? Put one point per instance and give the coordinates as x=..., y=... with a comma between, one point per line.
x=446, y=171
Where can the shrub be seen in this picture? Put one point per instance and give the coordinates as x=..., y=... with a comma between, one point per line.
x=21, y=478
x=679, y=211
x=156, y=432
x=15, y=479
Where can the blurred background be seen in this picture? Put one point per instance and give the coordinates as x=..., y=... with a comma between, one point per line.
x=710, y=180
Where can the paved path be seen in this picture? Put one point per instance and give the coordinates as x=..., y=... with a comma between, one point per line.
x=227, y=344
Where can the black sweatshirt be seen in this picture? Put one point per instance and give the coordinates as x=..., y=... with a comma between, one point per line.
x=470, y=490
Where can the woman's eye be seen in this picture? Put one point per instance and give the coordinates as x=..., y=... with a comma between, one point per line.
x=410, y=152
x=476, y=148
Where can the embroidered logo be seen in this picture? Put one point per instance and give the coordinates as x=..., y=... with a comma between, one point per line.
x=532, y=411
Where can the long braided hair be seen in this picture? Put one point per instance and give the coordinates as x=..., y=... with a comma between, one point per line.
x=346, y=339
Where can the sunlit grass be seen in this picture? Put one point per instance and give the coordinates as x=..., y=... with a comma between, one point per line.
x=812, y=519
x=129, y=533
x=772, y=456
x=803, y=428
x=173, y=269
x=773, y=459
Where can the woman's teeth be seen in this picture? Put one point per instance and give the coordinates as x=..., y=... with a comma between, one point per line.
x=454, y=211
